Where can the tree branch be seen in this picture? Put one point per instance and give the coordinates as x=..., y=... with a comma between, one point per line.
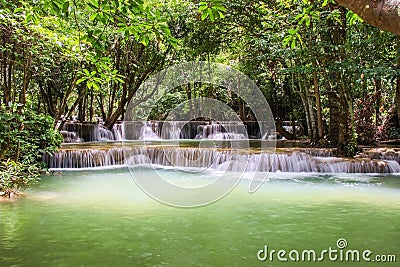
x=384, y=14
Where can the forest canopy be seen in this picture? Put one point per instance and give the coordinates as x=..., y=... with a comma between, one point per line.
x=318, y=64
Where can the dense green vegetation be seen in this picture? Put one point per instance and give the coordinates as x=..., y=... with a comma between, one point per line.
x=319, y=65
x=24, y=137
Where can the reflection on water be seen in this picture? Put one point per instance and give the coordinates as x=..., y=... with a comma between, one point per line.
x=101, y=218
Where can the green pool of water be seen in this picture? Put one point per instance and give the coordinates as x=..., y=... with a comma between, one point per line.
x=101, y=218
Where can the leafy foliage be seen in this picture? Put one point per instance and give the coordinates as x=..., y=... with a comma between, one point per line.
x=213, y=9
x=16, y=175
x=24, y=137
x=316, y=63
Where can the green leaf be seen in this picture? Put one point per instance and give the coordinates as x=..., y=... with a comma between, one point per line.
x=211, y=12
x=80, y=80
x=65, y=7
x=93, y=4
x=220, y=7
x=18, y=10
x=308, y=21
x=204, y=15
x=96, y=86
x=28, y=18
x=145, y=40
x=93, y=16
x=201, y=8
x=293, y=44
x=298, y=16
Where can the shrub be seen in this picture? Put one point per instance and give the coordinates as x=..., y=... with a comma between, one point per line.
x=24, y=137
x=16, y=175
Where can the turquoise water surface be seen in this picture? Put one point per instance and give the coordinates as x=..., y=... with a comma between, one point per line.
x=102, y=218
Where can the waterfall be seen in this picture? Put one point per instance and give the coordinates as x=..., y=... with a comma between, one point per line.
x=320, y=152
x=70, y=137
x=381, y=153
x=86, y=132
x=220, y=131
x=147, y=133
x=173, y=130
x=221, y=160
x=104, y=134
x=74, y=132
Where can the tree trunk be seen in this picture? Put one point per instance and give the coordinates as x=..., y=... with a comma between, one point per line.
x=73, y=107
x=398, y=83
x=81, y=112
x=64, y=101
x=91, y=110
x=384, y=14
x=101, y=106
x=26, y=81
x=6, y=68
x=333, y=117
x=303, y=97
x=188, y=89
x=318, y=105
x=378, y=96
x=289, y=93
x=282, y=131
x=343, y=120
x=346, y=143
x=109, y=123
x=312, y=132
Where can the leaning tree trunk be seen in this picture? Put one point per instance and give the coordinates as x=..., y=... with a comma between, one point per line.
x=384, y=14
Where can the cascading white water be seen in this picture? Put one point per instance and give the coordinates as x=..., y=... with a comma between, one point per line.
x=217, y=131
x=118, y=131
x=147, y=133
x=319, y=152
x=105, y=134
x=74, y=132
x=222, y=160
x=382, y=153
x=155, y=130
x=70, y=137
x=172, y=130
